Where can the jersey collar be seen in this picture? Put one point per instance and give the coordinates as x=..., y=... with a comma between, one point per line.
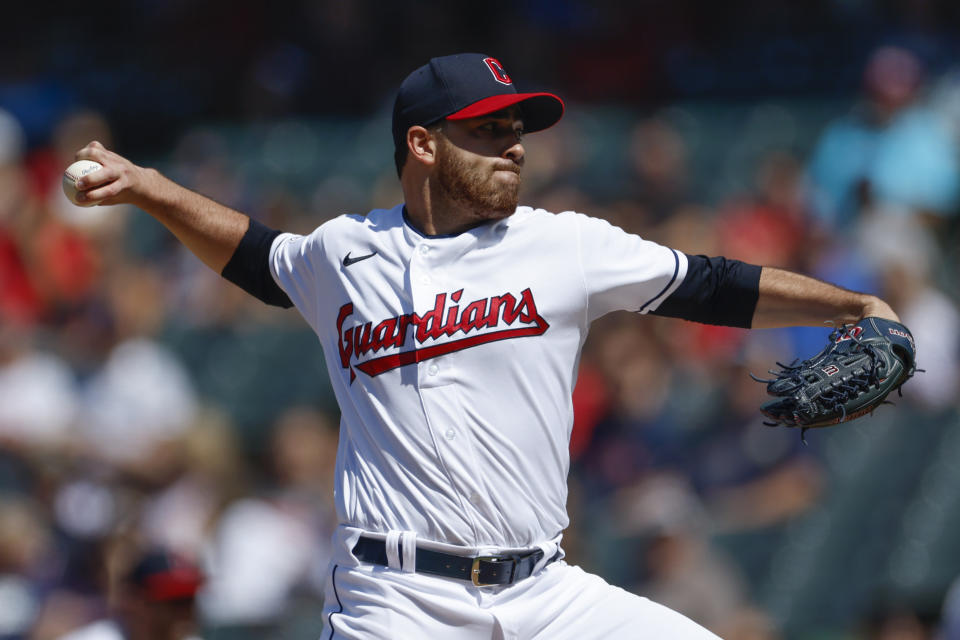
x=472, y=230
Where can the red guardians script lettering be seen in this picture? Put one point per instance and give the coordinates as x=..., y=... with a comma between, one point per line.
x=480, y=322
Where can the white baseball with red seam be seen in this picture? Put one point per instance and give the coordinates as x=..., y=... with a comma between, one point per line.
x=73, y=173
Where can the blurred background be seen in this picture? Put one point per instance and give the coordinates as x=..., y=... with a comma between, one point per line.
x=148, y=407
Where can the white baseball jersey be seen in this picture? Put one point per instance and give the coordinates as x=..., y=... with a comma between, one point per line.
x=454, y=359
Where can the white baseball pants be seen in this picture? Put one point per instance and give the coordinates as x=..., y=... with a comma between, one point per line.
x=370, y=602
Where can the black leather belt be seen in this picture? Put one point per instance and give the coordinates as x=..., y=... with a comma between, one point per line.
x=482, y=571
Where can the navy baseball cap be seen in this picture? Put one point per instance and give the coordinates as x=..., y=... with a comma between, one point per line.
x=466, y=85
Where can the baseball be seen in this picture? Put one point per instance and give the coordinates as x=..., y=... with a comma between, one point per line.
x=72, y=174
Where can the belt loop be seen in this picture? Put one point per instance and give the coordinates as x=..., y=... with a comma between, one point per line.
x=392, y=544
x=408, y=545
x=548, y=549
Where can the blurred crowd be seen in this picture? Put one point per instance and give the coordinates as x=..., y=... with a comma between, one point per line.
x=131, y=451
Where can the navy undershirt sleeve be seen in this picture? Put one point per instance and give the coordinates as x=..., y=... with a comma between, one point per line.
x=715, y=291
x=249, y=266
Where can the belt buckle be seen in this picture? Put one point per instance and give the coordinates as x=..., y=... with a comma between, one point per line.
x=475, y=569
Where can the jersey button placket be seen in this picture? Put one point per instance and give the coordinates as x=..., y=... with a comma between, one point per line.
x=421, y=277
x=429, y=278
x=435, y=375
x=426, y=282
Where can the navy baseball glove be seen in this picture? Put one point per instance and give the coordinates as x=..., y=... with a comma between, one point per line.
x=851, y=377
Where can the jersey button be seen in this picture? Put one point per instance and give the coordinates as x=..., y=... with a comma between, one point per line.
x=450, y=434
x=433, y=369
x=425, y=279
x=475, y=499
x=424, y=249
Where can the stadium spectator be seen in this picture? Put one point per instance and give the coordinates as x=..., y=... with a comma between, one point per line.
x=154, y=601
x=890, y=151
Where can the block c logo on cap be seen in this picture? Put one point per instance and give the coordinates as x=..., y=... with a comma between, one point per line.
x=497, y=70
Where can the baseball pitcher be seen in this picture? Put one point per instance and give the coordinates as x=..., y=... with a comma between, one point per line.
x=451, y=327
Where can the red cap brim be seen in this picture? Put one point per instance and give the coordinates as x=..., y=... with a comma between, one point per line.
x=540, y=110
x=174, y=584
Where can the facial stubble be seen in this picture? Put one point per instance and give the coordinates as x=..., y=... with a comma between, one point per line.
x=472, y=187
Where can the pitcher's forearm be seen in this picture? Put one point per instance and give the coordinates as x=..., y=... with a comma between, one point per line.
x=791, y=299
x=209, y=229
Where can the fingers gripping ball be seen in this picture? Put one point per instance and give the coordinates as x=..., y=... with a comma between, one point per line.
x=73, y=173
x=851, y=377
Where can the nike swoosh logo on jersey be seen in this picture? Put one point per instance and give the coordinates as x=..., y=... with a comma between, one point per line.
x=347, y=261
